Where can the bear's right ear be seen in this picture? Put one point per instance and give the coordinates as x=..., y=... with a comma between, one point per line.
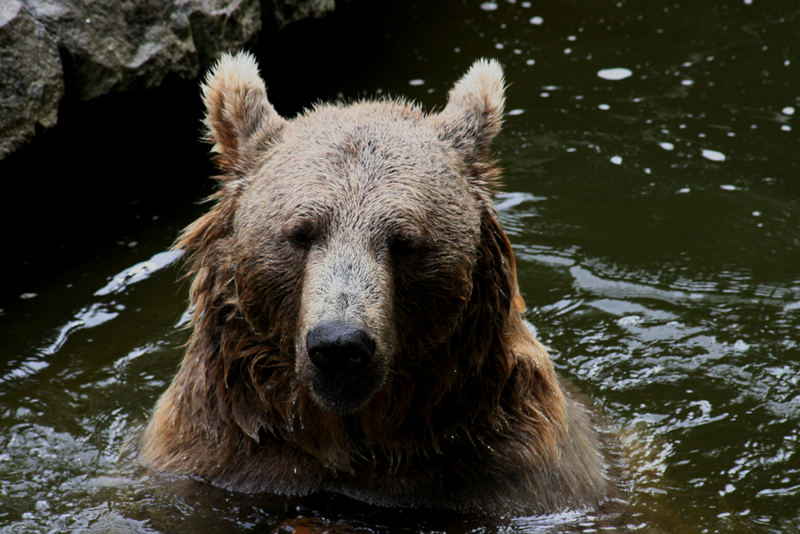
x=237, y=110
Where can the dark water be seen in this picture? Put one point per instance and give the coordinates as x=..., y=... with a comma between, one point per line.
x=652, y=158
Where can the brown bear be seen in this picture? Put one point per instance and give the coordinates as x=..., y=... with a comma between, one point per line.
x=356, y=320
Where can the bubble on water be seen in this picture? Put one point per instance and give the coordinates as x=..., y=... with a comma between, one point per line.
x=515, y=112
x=537, y=20
x=684, y=190
x=713, y=155
x=616, y=160
x=614, y=74
x=416, y=82
x=489, y=6
x=666, y=145
x=604, y=107
x=530, y=62
x=687, y=82
x=788, y=110
x=728, y=187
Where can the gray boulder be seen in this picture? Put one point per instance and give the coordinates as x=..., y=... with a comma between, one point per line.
x=119, y=45
x=31, y=80
x=115, y=45
x=288, y=11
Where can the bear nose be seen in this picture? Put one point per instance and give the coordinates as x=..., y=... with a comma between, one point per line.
x=338, y=349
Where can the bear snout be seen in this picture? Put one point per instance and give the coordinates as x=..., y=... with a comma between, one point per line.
x=338, y=349
x=342, y=366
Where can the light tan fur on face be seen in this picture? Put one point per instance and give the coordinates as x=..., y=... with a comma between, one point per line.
x=379, y=215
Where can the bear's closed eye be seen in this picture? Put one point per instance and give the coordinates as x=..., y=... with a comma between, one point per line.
x=301, y=235
x=407, y=243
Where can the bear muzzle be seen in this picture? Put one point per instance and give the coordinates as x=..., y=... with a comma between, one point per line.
x=344, y=369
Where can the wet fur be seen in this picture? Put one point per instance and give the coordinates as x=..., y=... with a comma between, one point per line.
x=470, y=416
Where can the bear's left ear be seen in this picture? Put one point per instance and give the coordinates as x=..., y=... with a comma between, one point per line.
x=237, y=110
x=474, y=112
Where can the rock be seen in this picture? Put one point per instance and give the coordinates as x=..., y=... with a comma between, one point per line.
x=119, y=45
x=116, y=45
x=218, y=25
x=288, y=11
x=31, y=79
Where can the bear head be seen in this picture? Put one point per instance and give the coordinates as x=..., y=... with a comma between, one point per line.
x=350, y=239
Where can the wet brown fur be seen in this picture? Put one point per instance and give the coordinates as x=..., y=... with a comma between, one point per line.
x=471, y=415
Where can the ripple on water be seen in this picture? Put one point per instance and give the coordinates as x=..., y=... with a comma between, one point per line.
x=685, y=362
